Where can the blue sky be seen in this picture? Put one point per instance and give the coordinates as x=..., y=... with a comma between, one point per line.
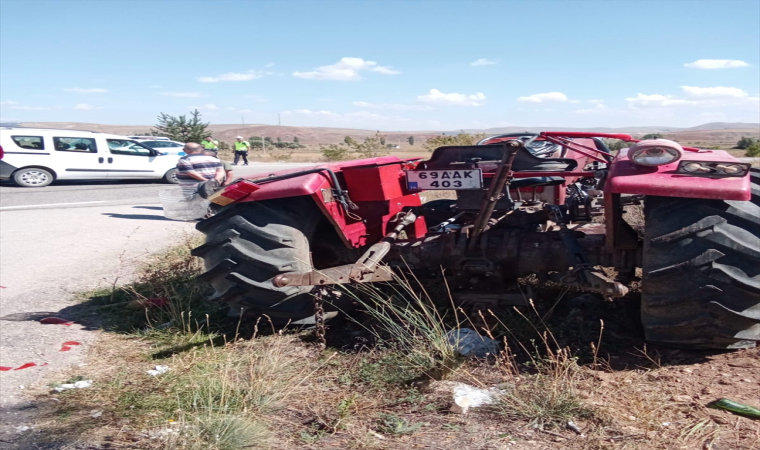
x=390, y=65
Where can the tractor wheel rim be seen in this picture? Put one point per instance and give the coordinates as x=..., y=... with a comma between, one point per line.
x=34, y=177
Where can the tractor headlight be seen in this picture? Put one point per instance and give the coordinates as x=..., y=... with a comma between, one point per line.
x=713, y=169
x=655, y=152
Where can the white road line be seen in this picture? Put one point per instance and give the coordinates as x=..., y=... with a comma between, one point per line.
x=51, y=204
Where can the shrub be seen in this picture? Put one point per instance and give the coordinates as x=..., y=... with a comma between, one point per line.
x=334, y=152
x=753, y=150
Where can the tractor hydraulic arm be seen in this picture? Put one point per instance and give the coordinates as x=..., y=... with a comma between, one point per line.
x=366, y=269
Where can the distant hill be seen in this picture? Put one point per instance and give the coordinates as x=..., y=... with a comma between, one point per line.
x=709, y=134
x=724, y=126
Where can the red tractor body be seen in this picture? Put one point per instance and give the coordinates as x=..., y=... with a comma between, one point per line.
x=525, y=204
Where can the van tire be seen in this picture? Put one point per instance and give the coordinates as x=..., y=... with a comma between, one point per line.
x=33, y=177
x=171, y=177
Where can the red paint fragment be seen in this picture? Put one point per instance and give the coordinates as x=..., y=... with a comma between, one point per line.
x=65, y=348
x=2, y=287
x=55, y=321
x=71, y=343
x=5, y=368
x=25, y=366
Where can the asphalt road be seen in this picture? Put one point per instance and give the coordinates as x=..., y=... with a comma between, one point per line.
x=77, y=194
x=57, y=241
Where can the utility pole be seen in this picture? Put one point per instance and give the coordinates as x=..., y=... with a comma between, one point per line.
x=242, y=118
x=279, y=124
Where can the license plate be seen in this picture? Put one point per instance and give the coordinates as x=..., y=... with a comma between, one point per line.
x=420, y=180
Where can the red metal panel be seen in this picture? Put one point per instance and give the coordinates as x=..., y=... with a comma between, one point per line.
x=375, y=182
x=626, y=177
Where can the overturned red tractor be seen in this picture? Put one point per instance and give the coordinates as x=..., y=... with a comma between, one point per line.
x=525, y=204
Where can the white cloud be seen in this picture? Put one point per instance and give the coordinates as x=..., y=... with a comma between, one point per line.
x=234, y=76
x=31, y=108
x=599, y=108
x=87, y=91
x=346, y=69
x=655, y=100
x=8, y=102
x=310, y=113
x=596, y=101
x=206, y=107
x=270, y=65
x=716, y=64
x=86, y=107
x=483, y=62
x=181, y=94
x=714, y=92
x=545, y=97
x=439, y=98
x=393, y=106
x=697, y=96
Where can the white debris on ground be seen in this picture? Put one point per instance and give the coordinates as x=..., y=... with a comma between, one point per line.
x=158, y=370
x=78, y=385
x=466, y=397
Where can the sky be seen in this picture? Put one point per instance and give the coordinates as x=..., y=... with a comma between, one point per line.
x=387, y=65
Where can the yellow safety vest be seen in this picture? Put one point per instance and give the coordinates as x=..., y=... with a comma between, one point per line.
x=241, y=146
x=209, y=145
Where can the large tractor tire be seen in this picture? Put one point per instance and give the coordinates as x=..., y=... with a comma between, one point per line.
x=247, y=245
x=701, y=285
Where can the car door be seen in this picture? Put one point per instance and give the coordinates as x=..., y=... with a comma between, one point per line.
x=130, y=159
x=78, y=158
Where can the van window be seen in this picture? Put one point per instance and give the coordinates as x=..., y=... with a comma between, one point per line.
x=124, y=147
x=75, y=144
x=29, y=142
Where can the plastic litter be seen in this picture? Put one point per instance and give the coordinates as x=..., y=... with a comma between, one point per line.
x=468, y=342
x=26, y=366
x=181, y=204
x=95, y=413
x=737, y=408
x=66, y=346
x=56, y=321
x=158, y=370
x=466, y=397
x=82, y=384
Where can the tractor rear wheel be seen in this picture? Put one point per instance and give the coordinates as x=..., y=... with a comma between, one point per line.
x=701, y=284
x=247, y=245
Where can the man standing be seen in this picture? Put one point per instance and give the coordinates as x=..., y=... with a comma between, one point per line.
x=210, y=144
x=227, y=167
x=195, y=167
x=241, y=149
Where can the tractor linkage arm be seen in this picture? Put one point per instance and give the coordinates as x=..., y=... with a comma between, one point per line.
x=583, y=274
x=367, y=269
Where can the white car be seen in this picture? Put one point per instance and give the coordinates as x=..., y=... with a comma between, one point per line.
x=35, y=157
x=164, y=146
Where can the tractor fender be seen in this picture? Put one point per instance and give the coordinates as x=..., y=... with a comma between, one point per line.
x=627, y=177
x=375, y=186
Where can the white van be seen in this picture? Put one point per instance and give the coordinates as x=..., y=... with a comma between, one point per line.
x=35, y=157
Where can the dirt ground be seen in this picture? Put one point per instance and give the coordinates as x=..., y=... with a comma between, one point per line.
x=641, y=397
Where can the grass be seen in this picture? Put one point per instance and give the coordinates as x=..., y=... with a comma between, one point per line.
x=393, y=390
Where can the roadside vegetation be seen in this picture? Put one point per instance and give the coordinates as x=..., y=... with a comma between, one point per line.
x=386, y=377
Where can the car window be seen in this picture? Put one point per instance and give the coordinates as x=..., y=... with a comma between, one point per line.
x=125, y=147
x=174, y=144
x=75, y=144
x=29, y=142
x=154, y=144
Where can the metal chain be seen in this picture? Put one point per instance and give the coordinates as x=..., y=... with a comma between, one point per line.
x=319, y=318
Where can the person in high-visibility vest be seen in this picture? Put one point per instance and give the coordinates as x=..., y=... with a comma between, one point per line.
x=241, y=149
x=210, y=144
